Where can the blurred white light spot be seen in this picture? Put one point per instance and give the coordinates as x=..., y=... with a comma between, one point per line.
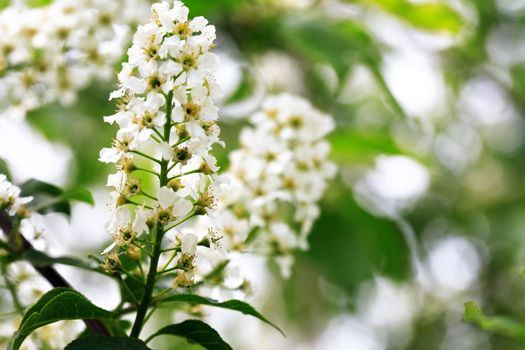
x=463, y=336
x=359, y=85
x=416, y=82
x=388, y=305
x=329, y=76
x=454, y=264
x=89, y=284
x=458, y=146
x=345, y=333
x=30, y=155
x=229, y=74
x=394, y=185
x=84, y=232
x=484, y=102
x=411, y=71
x=279, y=72
x=505, y=44
x=511, y=6
x=293, y=4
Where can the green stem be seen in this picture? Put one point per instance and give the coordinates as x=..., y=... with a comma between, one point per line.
x=184, y=174
x=150, y=284
x=172, y=166
x=170, y=249
x=158, y=133
x=169, y=261
x=392, y=100
x=133, y=277
x=146, y=156
x=190, y=215
x=147, y=171
x=155, y=139
x=129, y=201
x=145, y=194
x=182, y=140
x=170, y=270
x=130, y=292
x=142, y=248
x=159, y=233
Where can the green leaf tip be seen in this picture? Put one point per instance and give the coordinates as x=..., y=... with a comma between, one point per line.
x=233, y=304
x=106, y=343
x=197, y=332
x=496, y=324
x=51, y=198
x=56, y=305
x=472, y=313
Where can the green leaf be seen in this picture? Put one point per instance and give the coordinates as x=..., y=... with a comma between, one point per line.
x=431, y=16
x=213, y=8
x=233, y=304
x=38, y=3
x=252, y=235
x=56, y=305
x=4, y=169
x=34, y=186
x=131, y=290
x=51, y=198
x=46, y=197
x=106, y=343
x=115, y=327
x=80, y=195
x=4, y=3
x=338, y=44
x=496, y=324
x=38, y=258
x=197, y=332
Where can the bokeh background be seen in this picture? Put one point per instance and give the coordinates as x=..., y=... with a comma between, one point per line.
x=427, y=211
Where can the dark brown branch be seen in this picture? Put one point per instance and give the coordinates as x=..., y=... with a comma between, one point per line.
x=19, y=245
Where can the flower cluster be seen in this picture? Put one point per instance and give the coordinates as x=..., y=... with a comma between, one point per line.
x=278, y=176
x=49, y=53
x=167, y=126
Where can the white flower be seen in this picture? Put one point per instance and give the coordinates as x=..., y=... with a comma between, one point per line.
x=189, y=243
x=167, y=117
x=282, y=163
x=169, y=17
x=10, y=199
x=168, y=200
x=75, y=42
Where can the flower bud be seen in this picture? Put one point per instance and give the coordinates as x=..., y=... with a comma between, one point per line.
x=111, y=262
x=175, y=184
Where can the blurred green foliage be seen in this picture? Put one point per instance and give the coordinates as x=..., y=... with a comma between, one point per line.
x=433, y=16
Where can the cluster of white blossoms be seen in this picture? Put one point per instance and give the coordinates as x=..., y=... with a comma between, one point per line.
x=167, y=126
x=277, y=177
x=49, y=53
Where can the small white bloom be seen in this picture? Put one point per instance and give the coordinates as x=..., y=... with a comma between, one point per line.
x=189, y=243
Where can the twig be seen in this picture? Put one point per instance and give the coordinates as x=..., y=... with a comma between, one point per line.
x=48, y=272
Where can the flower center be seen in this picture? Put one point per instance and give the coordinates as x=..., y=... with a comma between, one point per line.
x=183, y=30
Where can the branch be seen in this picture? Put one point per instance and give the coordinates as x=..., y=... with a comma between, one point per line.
x=48, y=272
